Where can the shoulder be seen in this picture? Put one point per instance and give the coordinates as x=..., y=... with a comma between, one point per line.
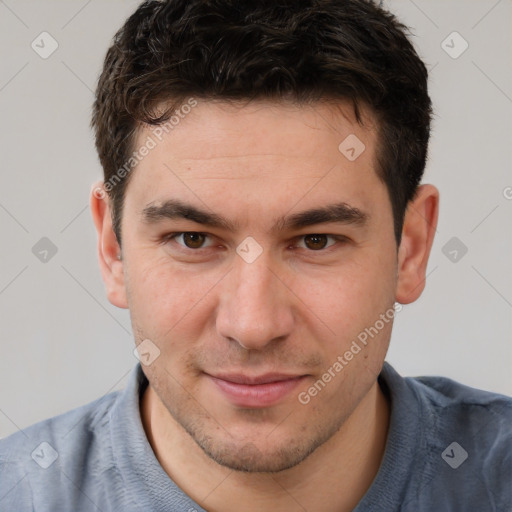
x=444, y=396
x=39, y=457
x=59, y=431
x=464, y=404
x=465, y=444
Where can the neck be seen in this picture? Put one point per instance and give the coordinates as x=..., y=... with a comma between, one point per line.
x=333, y=478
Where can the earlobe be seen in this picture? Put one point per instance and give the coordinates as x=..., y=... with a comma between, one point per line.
x=109, y=251
x=418, y=232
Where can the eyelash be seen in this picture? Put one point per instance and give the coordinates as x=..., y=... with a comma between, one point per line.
x=172, y=236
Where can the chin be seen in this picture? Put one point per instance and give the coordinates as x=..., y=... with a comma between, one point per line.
x=245, y=456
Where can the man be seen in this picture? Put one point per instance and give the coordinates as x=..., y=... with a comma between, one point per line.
x=263, y=220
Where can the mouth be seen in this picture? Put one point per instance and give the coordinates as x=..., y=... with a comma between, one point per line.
x=258, y=391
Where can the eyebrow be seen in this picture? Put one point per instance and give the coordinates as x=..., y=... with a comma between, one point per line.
x=174, y=209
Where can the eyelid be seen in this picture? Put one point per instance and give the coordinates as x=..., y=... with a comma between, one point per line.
x=172, y=236
x=334, y=237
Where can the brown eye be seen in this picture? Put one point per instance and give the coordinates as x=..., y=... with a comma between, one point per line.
x=315, y=242
x=193, y=240
x=188, y=242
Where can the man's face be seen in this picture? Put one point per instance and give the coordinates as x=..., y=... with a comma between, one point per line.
x=244, y=335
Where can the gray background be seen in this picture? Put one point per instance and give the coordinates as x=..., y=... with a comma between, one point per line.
x=62, y=344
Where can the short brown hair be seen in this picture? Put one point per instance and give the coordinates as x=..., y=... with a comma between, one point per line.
x=307, y=50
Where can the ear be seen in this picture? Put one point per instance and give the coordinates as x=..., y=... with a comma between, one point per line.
x=109, y=251
x=418, y=232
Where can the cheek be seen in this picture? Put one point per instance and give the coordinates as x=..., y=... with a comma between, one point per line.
x=350, y=297
x=162, y=297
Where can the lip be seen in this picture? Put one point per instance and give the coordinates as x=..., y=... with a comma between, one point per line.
x=256, y=391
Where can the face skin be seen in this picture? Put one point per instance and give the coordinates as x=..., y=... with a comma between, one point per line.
x=217, y=318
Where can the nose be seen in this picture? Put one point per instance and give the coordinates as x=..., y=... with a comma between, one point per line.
x=256, y=306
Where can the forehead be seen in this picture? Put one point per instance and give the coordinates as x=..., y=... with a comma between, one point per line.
x=261, y=152
x=270, y=127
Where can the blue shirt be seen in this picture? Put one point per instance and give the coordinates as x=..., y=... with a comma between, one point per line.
x=449, y=449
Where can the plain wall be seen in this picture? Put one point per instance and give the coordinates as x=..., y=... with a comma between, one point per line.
x=63, y=344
